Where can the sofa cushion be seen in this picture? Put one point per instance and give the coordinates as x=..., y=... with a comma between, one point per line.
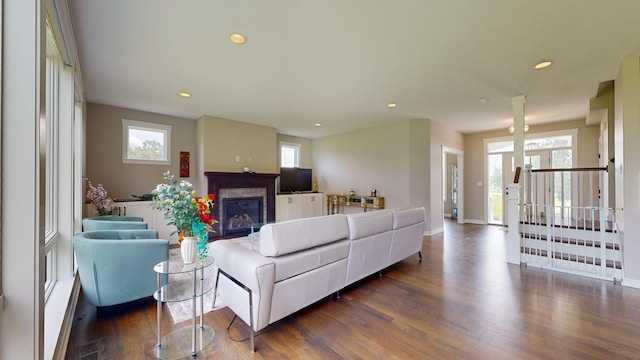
x=369, y=223
x=294, y=235
x=288, y=266
x=406, y=217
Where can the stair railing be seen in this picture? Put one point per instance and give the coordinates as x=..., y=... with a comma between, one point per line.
x=563, y=227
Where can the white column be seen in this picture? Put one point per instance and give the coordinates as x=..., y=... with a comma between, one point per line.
x=518, y=132
x=513, y=234
x=513, y=190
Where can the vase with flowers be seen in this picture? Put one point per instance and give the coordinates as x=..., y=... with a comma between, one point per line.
x=189, y=214
x=98, y=197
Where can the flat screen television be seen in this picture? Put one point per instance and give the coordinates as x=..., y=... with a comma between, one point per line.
x=294, y=180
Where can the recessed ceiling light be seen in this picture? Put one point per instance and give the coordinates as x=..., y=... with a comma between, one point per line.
x=391, y=105
x=542, y=65
x=317, y=124
x=237, y=38
x=185, y=94
x=483, y=100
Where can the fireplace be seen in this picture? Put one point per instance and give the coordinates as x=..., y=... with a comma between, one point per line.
x=239, y=214
x=241, y=198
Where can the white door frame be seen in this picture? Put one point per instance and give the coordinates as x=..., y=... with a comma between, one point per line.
x=460, y=161
x=508, y=174
x=574, y=149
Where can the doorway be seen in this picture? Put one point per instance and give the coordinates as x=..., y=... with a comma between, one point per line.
x=452, y=184
x=501, y=173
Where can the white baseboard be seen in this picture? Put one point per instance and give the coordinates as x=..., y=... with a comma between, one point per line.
x=474, y=221
x=433, y=232
x=447, y=215
x=632, y=283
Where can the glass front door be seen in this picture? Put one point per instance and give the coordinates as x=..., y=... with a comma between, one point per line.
x=554, y=151
x=501, y=173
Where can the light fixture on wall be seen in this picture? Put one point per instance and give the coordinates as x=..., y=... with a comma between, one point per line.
x=512, y=129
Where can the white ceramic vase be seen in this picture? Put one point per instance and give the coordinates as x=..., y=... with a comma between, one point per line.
x=188, y=249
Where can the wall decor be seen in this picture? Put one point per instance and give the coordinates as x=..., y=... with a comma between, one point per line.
x=184, y=164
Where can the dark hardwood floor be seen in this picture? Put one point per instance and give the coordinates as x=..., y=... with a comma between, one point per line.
x=461, y=302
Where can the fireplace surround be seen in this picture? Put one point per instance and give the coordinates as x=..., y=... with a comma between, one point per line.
x=230, y=188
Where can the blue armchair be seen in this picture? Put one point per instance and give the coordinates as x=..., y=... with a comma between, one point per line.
x=113, y=223
x=116, y=266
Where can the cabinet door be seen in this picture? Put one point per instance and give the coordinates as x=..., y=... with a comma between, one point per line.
x=137, y=208
x=154, y=218
x=283, y=205
x=289, y=207
x=318, y=204
x=164, y=230
x=311, y=205
x=298, y=206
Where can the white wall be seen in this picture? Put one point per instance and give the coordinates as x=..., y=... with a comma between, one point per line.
x=403, y=161
x=378, y=157
x=104, y=151
x=627, y=165
x=230, y=146
x=420, y=170
x=440, y=136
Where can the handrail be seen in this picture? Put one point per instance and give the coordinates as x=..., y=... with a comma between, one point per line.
x=570, y=169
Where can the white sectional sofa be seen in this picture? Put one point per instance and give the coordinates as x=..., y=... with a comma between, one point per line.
x=298, y=262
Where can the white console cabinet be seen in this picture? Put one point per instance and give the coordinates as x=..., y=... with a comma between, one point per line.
x=135, y=208
x=154, y=218
x=296, y=206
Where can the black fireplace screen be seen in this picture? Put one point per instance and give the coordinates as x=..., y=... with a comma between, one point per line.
x=240, y=213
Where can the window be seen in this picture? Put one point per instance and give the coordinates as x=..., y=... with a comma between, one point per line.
x=145, y=143
x=289, y=155
x=53, y=66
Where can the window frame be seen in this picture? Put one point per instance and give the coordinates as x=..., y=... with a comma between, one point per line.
x=1, y=91
x=295, y=147
x=165, y=130
x=52, y=93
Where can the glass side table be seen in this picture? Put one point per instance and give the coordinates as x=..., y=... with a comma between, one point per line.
x=188, y=340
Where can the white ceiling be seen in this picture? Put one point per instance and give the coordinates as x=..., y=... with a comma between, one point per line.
x=339, y=62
